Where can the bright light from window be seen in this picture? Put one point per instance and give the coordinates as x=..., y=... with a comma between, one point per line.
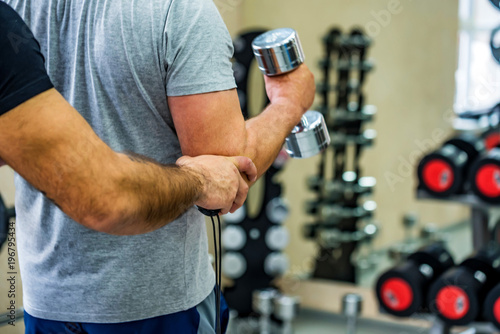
x=478, y=73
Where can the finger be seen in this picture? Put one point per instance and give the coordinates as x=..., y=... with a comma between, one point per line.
x=182, y=160
x=241, y=195
x=245, y=165
x=224, y=211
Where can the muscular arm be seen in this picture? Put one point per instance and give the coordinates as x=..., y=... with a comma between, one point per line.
x=49, y=144
x=212, y=123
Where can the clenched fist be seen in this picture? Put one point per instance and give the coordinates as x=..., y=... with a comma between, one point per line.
x=296, y=88
x=223, y=186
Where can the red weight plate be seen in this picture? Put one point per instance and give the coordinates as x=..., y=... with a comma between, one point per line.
x=488, y=180
x=438, y=175
x=492, y=140
x=496, y=310
x=396, y=294
x=452, y=302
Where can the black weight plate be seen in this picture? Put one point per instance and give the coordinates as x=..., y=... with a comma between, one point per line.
x=495, y=3
x=492, y=306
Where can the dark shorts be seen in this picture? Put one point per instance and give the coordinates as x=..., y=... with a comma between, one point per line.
x=197, y=320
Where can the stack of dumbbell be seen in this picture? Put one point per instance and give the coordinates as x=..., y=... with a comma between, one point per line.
x=341, y=216
x=465, y=164
x=429, y=282
x=276, y=311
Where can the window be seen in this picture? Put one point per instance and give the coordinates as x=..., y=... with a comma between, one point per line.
x=478, y=73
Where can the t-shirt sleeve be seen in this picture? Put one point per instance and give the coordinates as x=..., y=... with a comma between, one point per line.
x=198, y=49
x=22, y=65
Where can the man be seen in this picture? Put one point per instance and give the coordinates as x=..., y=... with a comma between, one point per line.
x=103, y=190
x=153, y=77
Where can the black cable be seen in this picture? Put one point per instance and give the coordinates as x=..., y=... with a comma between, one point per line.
x=220, y=277
x=218, y=272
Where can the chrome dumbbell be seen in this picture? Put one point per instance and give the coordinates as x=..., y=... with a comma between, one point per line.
x=286, y=309
x=262, y=303
x=351, y=308
x=278, y=52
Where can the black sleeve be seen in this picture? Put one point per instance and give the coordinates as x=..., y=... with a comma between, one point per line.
x=22, y=65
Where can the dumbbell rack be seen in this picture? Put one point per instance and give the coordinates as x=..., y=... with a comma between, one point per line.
x=481, y=234
x=338, y=209
x=479, y=214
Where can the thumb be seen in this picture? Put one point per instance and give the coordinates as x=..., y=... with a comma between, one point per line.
x=182, y=160
x=246, y=165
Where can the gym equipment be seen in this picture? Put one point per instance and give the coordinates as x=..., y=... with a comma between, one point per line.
x=485, y=176
x=401, y=291
x=444, y=172
x=233, y=237
x=333, y=214
x=336, y=190
x=286, y=309
x=352, y=305
x=457, y=296
x=491, y=138
x=491, y=307
x=338, y=211
x=495, y=3
x=6, y=214
x=262, y=304
x=278, y=52
x=277, y=210
x=276, y=264
x=234, y=265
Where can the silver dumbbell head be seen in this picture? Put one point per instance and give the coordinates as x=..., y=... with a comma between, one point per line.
x=276, y=264
x=277, y=210
x=278, y=51
x=309, y=138
x=277, y=238
x=352, y=304
x=234, y=265
x=262, y=301
x=233, y=238
x=286, y=308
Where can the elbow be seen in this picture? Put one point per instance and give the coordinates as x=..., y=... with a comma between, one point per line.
x=110, y=217
x=101, y=222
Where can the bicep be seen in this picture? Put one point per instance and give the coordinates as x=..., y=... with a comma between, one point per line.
x=210, y=123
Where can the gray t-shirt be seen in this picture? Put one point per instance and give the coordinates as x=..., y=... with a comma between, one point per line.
x=116, y=61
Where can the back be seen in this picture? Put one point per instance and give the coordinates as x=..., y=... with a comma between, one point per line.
x=116, y=61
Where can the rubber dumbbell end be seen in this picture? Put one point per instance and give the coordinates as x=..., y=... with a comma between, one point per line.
x=492, y=306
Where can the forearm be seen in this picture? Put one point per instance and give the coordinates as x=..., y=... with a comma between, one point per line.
x=266, y=133
x=212, y=123
x=149, y=195
x=51, y=146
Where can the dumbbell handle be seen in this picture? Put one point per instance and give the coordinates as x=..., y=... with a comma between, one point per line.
x=278, y=52
x=265, y=324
